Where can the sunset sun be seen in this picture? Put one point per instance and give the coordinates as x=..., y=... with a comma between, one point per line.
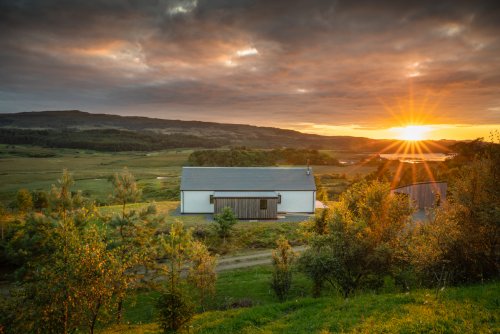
x=413, y=132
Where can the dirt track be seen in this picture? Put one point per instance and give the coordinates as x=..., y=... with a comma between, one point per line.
x=249, y=260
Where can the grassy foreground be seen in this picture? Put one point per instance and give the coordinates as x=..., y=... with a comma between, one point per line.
x=460, y=310
x=473, y=309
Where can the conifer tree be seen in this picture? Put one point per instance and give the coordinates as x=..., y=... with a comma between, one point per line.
x=202, y=273
x=283, y=258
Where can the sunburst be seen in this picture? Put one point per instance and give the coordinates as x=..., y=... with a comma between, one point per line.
x=412, y=132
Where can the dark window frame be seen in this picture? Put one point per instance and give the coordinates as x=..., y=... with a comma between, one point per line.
x=211, y=199
x=279, y=199
x=263, y=204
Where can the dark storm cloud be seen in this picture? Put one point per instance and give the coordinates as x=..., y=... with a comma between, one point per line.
x=261, y=62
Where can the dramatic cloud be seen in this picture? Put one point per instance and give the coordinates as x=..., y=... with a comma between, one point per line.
x=307, y=65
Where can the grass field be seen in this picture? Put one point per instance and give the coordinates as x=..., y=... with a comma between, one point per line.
x=37, y=168
x=471, y=309
x=243, y=285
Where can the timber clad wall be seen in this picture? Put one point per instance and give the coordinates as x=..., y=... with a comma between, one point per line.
x=248, y=208
x=424, y=194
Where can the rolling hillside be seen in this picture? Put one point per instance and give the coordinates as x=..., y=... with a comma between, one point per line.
x=48, y=128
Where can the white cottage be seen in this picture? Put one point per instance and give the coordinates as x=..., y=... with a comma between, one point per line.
x=252, y=192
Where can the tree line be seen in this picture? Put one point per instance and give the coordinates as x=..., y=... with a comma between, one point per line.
x=110, y=140
x=244, y=157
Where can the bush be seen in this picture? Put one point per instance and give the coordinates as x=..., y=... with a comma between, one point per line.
x=354, y=244
x=174, y=309
x=282, y=275
x=459, y=243
x=24, y=200
x=224, y=222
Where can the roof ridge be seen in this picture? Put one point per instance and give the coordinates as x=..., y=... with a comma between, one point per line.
x=258, y=167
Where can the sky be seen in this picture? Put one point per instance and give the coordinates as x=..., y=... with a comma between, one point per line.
x=359, y=68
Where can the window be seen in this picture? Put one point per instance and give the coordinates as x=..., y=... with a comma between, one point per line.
x=263, y=204
x=279, y=199
x=211, y=199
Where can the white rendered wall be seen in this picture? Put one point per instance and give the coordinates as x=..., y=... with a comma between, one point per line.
x=297, y=201
x=291, y=201
x=196, y=202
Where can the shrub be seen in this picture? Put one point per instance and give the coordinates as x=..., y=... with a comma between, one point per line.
x=283, y=257
x=355, y=243
x=224, y=222
x=24, y=200
x=174, y=309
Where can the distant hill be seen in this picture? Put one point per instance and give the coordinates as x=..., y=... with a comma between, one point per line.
x=77, y=129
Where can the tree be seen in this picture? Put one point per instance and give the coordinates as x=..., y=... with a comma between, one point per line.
x=475, y=207
x=428, y=248
x=68, y=289
x=72, y=272
x=181, y=251
x=322, y=194
x=24, y=200
x=318, y=225
x=95, y=269
x=174, y=305
x=3, y=221
x=174, y=310
x=125, y=189
x=361, y=238
x=202, y=273
x=338, y=258
x=62, y=201
x=40, y=200
x=31, y=238
x=224, y=222
x=460, y=243
x=134, y=240
x=283, y=258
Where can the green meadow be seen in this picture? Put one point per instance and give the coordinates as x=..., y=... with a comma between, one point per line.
x=157, y=173
x=37, y=168
x=472, y=309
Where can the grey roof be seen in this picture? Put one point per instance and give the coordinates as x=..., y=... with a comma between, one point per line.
x=246, y=178
x=245, y=194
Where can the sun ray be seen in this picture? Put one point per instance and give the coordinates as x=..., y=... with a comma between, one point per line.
x=424, y=145
x=376, y=155
x=413, y=119
x=438, y=146
x=413, y=166
x=397, y=174
x=429, y=173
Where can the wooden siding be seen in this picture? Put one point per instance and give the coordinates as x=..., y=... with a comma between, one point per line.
x=424, y=194
x=248, y=208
